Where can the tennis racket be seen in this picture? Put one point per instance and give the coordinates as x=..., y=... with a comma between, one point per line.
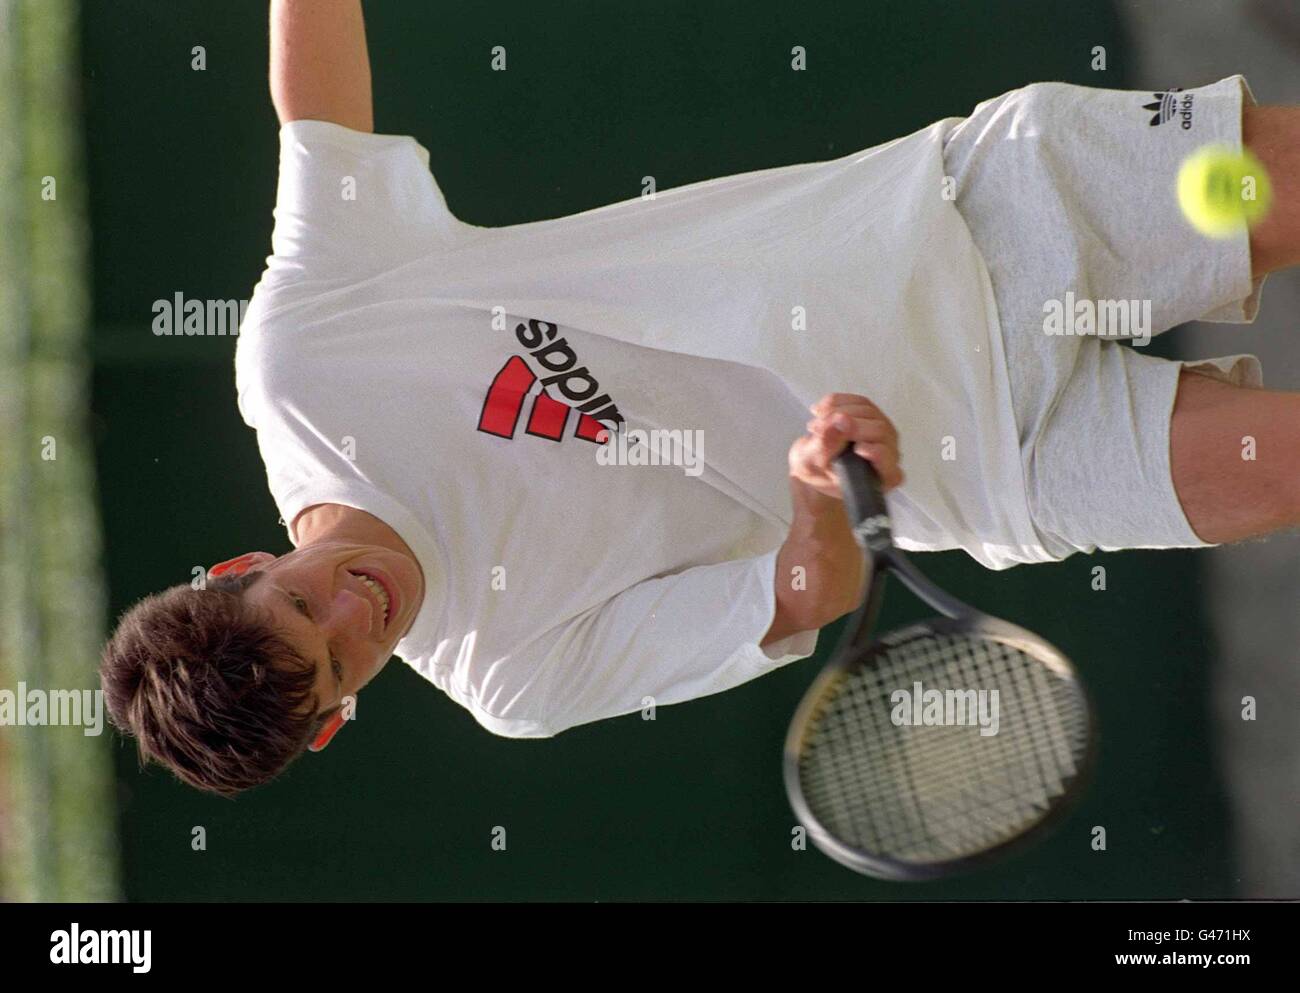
x=899, y=783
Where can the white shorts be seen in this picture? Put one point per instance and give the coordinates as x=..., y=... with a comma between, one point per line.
x=1070, y=190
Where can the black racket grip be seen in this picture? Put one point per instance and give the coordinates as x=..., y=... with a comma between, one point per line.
x=863, y=500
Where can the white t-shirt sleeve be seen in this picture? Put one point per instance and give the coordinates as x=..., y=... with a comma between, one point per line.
x=663, y=641
x=350, y=203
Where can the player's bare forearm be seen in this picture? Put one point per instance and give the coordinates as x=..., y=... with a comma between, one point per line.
x=320, y=69
x=820, y=570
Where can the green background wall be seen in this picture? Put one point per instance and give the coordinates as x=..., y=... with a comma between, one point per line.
x=182, y=170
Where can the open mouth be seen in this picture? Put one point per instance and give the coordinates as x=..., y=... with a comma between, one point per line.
x=379, y=590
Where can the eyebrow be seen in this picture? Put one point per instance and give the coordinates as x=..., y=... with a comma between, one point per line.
x=338, y=681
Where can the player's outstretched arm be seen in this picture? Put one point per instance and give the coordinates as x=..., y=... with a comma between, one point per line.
x=320, y=69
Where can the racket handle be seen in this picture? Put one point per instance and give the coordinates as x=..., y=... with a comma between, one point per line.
x=863, y=500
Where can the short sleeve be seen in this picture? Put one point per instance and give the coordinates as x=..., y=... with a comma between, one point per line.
x=350, y=203
x=666, y=640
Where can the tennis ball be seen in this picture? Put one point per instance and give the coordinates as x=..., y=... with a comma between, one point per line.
x=1222, y=191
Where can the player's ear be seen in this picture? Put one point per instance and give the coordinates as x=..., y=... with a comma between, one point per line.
x=327, y=733
x=240, y=564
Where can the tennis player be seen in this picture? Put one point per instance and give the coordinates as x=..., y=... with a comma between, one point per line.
x=437, y=403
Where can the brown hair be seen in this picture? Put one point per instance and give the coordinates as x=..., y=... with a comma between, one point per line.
x=209, y=686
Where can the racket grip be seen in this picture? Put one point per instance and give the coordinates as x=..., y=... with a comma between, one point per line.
x=863, y=500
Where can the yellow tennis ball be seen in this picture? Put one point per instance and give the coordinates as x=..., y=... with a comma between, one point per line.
x=1222, y=191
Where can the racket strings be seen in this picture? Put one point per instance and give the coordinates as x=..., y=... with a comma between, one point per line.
x=925, y=792
x=960, y=807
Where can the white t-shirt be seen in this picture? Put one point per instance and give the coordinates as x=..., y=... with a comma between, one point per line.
x=400, y=361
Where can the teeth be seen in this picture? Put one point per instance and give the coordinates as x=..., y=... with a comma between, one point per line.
x=377, y=589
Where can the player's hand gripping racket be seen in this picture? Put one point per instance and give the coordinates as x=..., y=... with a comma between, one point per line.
x=896, y=782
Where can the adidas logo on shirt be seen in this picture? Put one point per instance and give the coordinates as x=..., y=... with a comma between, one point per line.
x=547, y=416
x=1166, y=106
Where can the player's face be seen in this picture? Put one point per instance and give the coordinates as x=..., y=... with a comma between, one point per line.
x=342, y=606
